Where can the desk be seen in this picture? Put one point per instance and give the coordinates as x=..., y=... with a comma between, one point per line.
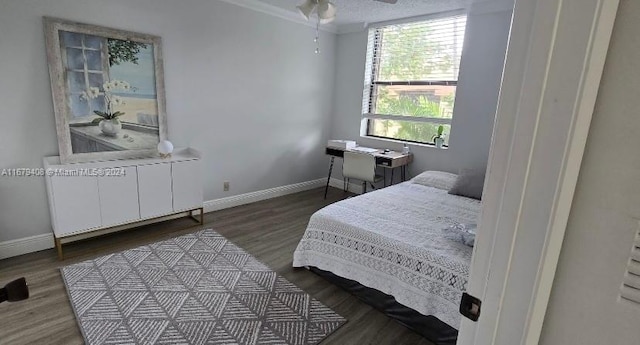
x=389, y=160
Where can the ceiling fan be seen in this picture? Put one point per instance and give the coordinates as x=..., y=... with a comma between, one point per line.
x=325, y=9
x=326, y=12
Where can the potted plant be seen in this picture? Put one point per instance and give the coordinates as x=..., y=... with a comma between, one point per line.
x=438, y=139
x=108, y=120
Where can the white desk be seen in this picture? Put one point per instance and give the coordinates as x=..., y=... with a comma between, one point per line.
x=389, y=160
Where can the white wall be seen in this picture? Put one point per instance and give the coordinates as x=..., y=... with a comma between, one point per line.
x=476, y=98
x=244, y=87
x=584, y=308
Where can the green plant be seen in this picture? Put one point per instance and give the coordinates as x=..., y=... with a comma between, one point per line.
x=419, y=106
x=439, y=135
x=106, y=116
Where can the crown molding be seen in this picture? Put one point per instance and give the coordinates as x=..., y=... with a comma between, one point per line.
x=351, y=28
x=275, y=11
x=490, y=6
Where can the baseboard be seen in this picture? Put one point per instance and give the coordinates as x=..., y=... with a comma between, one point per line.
x=242, y=199
x=26, y=245
x=41, y=242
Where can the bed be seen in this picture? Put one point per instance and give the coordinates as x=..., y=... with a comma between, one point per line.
x=395, y=240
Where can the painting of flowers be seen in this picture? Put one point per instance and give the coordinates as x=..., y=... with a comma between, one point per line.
x=106, y=86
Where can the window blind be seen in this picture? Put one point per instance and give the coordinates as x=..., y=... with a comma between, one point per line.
x=630, y=289
x=419, y=53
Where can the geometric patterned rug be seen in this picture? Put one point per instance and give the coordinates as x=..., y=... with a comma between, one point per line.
x=194, y=289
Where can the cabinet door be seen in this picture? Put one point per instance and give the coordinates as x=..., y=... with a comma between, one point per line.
x=154, y=190
x=187, y=185
x=76, y=203
x=119, y=197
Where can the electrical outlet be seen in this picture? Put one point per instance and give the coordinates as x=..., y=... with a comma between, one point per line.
x=225, y=186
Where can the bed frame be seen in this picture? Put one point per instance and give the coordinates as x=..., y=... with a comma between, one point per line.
x=429, y=327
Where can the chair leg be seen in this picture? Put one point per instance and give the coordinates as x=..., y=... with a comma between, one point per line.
x=364, y=187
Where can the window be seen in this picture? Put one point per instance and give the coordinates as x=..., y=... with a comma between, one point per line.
x=85, y=68
x=411, y=77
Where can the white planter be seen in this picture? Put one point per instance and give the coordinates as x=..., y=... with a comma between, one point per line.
x=439, y=142
x=110, y=127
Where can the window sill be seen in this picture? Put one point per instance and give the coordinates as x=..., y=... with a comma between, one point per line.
x=410, y=143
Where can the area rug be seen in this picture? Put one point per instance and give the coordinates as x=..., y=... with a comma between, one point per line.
x=194, y=289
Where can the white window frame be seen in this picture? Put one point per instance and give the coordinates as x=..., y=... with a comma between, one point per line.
x=367, y=116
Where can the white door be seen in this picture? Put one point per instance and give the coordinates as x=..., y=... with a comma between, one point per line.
x=552, y=74
x=77, y=205
x=119, y=197
x=154, y=189
x=187, y=185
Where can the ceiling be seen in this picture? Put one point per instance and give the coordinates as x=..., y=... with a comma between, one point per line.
x=351, y=12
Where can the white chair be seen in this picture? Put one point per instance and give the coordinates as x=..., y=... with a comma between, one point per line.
x=360, y=166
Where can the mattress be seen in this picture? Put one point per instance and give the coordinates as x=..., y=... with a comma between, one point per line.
x=394, y=240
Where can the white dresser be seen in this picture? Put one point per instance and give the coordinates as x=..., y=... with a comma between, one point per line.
x=89, y=199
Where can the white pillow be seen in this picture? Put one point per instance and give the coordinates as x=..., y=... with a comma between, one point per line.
x=436, y=179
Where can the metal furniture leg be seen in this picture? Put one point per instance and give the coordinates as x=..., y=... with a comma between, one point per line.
x=326, y=188
x=59, y=248
x=198, y=218
x=391, y=183
x=384, y=183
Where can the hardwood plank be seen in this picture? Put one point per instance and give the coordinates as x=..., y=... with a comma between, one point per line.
x=270, y=230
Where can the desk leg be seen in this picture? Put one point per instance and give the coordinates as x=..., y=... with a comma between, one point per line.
x=385, y=177
x=403, y=173
x=326, y=188
x=392, y=169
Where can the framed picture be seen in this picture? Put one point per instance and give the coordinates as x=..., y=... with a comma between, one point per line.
x=108, y=91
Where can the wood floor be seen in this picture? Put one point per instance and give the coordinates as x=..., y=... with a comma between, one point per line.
x=269, y=230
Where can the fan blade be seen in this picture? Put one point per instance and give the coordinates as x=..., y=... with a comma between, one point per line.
x=388, y=1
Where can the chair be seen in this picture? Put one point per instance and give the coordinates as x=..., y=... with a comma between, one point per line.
x=360, y=166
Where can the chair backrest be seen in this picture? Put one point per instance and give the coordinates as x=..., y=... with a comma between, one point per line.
x=361, y=166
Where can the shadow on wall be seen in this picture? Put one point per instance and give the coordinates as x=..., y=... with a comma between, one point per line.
x=305, y=158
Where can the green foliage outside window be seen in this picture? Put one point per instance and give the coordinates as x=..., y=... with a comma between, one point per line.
x=416, y=52
x=123, y=51
x=407, y=106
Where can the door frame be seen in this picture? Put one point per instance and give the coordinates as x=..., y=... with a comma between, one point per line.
x=555, y=59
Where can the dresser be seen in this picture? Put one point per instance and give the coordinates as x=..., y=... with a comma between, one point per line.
x=91, y=199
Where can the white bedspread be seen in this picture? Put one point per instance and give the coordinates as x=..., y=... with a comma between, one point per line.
x=392, y=240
